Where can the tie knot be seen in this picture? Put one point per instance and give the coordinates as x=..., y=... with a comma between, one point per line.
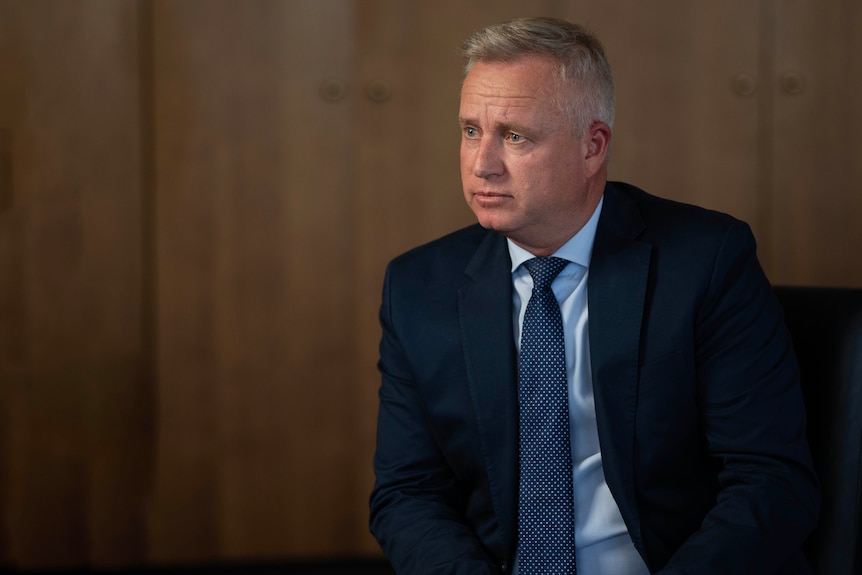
x=544, y=270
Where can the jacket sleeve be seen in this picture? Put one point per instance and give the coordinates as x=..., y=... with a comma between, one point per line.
x=416, y=506
x=753, y=419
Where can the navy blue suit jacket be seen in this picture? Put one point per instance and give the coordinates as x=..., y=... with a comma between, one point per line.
x=699, y=410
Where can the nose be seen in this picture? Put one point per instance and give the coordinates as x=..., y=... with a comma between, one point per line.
x=488, y=160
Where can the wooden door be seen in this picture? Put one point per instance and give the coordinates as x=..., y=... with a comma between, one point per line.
x=75, y=401
x=815, y=170
x=256, y=354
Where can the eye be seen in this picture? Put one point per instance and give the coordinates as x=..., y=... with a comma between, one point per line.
x=470, y=132
x=515, y=138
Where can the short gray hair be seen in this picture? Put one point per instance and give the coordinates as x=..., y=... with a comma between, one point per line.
x=578, y=53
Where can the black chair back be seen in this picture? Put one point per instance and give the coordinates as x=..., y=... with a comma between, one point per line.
x=826, y=327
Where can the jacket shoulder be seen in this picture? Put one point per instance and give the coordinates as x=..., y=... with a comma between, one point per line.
x=665, y=216
x=450, y=252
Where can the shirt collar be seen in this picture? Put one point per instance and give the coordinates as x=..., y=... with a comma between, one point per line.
x=578, y=249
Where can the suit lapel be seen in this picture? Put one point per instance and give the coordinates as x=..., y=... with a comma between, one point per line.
x=617, y=288
x=485, y=316
x=619, y=271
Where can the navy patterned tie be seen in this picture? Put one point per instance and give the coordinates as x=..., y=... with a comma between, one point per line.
x=546, y=531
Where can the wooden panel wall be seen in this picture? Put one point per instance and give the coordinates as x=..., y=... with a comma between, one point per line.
x=288, y=173
x=816, y=192
x=75, y=406
x=256, y=353
x=687, y=123
x=198, y=199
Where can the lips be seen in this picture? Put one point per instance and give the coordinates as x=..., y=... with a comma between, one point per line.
x=490, y=199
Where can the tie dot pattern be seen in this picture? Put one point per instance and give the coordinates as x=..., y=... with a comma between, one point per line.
x=546, y=532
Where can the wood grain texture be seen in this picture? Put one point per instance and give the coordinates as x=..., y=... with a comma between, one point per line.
x=255, y=352
x=76, y=410
x=6, y=191
x=817, y=216
x=683, y=129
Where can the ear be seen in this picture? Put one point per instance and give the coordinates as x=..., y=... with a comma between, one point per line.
x=598, y=144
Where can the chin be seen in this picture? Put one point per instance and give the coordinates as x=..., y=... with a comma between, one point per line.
x=489, y=219
x=485, y=221
x=496, y=225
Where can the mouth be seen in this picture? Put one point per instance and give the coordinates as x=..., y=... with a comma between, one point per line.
x=490, y=194
x=489, y=198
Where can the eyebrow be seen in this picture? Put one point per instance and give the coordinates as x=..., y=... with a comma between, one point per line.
x=507, y=127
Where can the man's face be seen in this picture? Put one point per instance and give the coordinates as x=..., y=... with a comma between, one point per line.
x=524, y=172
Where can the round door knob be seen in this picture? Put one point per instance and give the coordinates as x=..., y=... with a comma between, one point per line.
x=378, y=90
x=333, y=90
x=744, y=85
x=791, y=83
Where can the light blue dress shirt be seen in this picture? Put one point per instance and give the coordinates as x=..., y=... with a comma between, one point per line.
x=601, y=537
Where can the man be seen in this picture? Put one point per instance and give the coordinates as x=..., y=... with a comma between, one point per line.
x=683, y=427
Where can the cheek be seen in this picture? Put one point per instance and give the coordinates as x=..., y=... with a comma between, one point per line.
x=463, y=153
x=466, y=161
x=534, y=177
x=555, y=188
x=568, y=175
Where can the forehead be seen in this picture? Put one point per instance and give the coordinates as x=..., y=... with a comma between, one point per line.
x=528, y=83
